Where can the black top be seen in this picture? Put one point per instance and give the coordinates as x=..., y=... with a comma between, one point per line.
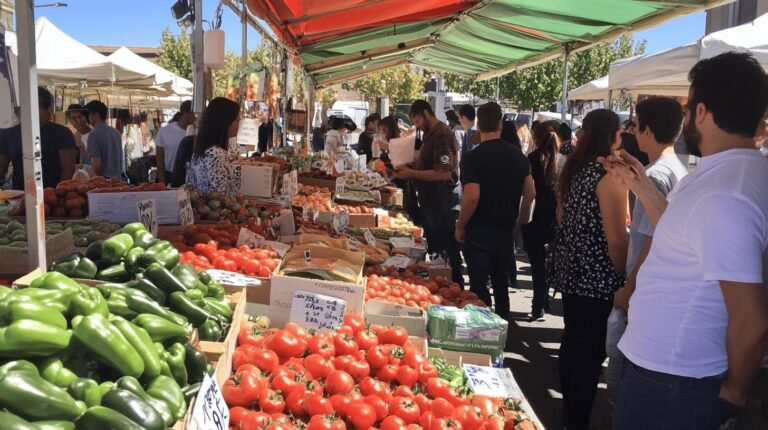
x=546, y=202
x=53, y=138
x=265, y=136
x=183, y=158
x=582, y=265
x=438, y=152
x=365, y=145
x=500, y=170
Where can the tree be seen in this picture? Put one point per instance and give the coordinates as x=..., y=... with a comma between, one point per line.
x=258, y=58
x=399, y=83
x=175, y=54
x=327, y=96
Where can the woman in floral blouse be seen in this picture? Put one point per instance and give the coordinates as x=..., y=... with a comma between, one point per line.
x=210, y=169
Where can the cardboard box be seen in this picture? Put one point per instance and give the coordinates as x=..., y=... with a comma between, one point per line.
x=257, y=180
x=120, y=208
x=362, y=220
x=457, y=358
x=330, y=184
x=387, y=314
x=309, y=239
x=253, y=293
x=223, y=350
x=15, y=261
x=283, y=287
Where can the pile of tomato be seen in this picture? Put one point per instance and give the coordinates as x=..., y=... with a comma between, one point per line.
x=398, y=287
x=355, y=378
x=248, y=261
x=400, y=292
x=225, y=233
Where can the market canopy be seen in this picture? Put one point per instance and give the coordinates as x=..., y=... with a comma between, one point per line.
x=164, y=80
x=666, y=72
x=345, y=39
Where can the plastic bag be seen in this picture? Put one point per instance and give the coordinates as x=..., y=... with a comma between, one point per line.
x=472, y=329
x=81, y=174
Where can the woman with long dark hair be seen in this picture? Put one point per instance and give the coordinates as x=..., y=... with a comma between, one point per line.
x=544, y=161
x=590, y=259
x=210, y=168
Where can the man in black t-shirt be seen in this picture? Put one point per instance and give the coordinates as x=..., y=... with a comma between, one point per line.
x=494, y=175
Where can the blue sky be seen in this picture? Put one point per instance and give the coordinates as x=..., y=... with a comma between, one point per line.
x=140, y=22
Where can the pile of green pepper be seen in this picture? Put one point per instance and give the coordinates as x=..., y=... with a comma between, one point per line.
x=112, y=356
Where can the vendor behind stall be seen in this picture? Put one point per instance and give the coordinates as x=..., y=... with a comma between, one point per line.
x=210, y=169
x=334, y=140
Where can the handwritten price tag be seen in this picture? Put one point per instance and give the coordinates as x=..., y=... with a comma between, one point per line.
x=340, y=221
x=210, y=411
x=231, y=278
x=362, y=163
x=250, y=239
x=340, y=166
x=401, y=242
x=317, y=311
x=491, y=381
x=279, y=247
x=148, y=215
x=186, y=215
x=400, y=261
x=369, y=237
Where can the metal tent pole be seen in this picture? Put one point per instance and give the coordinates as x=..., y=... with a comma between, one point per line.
x=566, y=53
x=30, y=134
x=198, y=98
x=244, y=55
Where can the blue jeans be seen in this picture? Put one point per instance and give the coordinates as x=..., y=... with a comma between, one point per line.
x=651, y=400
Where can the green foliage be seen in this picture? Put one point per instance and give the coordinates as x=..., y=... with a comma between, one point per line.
x=233, y=67
x=398, y=83
x=175, y=54
x=327, y=96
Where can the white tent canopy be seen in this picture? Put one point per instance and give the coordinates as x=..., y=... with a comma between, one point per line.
x=666, y=72
x=164, y=80
x=595, y=90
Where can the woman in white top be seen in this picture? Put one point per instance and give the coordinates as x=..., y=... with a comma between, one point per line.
x=334, y=139
x=210, y=168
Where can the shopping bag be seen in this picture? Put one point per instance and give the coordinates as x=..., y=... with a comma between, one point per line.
x=402, y=150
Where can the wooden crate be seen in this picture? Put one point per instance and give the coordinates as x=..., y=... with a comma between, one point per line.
x=214, y=351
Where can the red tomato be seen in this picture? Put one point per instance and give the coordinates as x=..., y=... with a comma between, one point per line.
x=254, y=420
x=270, y=263
x=425, y=421
x=404, y=408
x=339, y=382
x=264, y=272
x=445, y=424
x=393, y=335
x=264, y=359
x=379, y=405
x=487, y=405
x=355, y=321
x=437, y=387
x=424, y=402
x=318, y=366
x=407, y=375
x=359, y=370
x=441, y=407
x=287, y=382
x=316, y=404
x=378, y=357
x=427, y=371
x=250, y=336
x=294, y=403
x=361, y=416
x=343, y=362
x=314, y=386
x=412, y=357
x=239, y=356
x=270, y=401
x=236, y=414
x=297, y=330
x=392, y=422
x=319, y=422
x=469, y=416
x=322, y=344
x=366, y=339
x=341, y=403
x=403, y=391
x=387, y=373
x=286, y=344
x=241, y=389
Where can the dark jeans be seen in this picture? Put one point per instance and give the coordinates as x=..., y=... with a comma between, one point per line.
x=535, y=245
x=582, y=351
x=439, y=229
x=651, y=400
x=490, y=252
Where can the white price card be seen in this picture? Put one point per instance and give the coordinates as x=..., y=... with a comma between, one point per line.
x=369, y=237
x=231, y=278
x=492, y=381
x=340, y=186
x=210, y=411
x=294, y=180
x=401, y=242
x=186, y=214
x=362, y=162
x=309, y=213
x=250, y=239
x=148, y=215
x=248, y=133
x=400, y=261
x=340, y=221
x=340, y=166
x=285, y=222
x=279, y=247
x=317, y=311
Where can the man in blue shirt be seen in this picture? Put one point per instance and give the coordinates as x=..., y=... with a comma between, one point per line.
x=105, y=145
x=467, y=120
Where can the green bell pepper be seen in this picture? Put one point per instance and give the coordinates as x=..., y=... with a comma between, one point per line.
x=209, y=331
x=31, y=329
x=216, y=290
x=55, y=281
x=196, y=364
x=187, y=275
x=220, y=307
x=166, y=389
x=159, y=328
x=115, y=273
x=106, y=386
x=162, y=252
x=27, y=394
x=134, y=408
x=118, y=305
x=86, y=269
x=67, y=265
x=142, y=304
x=132, y=260
x=89, y=301
x=54, y=425
x=163, y=278
x=94, y=250
x=190, y=391
x=175, y=356
x=53, y=371
x=114, y=249
x=196, y=296
x=18, y=365
x=54, y=299
x=107, y=288
x=100, y=418
x=86, y=390
x=133, y=229
x=143, y=239
x=9, y=421
x=205, y=278
x=132, y=384
x=197, y=315
x=142, y=343
x=4, y=291
x=147, y=287
x=105, y=342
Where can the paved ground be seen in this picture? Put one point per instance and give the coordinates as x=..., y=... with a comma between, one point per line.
x=532, y=356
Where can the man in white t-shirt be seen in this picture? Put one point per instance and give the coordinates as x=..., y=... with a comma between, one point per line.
x=168, y=139
x=659, y=122
x=698, y=319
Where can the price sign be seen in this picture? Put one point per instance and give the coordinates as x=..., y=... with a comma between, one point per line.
x=369, y=237
x=340, y=167
x=340, y=185
x=285, y=222
x=210, y=411
x=224, y=277
x=294, y=180
x=279, y=247
x=309, y=214
x=400, y=261
x=186, y=215
x=250, y=239
x=317, y=311
x=491, y=381
x=248, y=133
x=287, y=185
x=340, y=221
x=148, y=215
x=362, y=163
x=401, y=242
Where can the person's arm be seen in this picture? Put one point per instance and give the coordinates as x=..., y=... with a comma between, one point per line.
x=469, y=200
x=613, y=199
x=746, y=337
x=622, y=295
x=432, y=175
x=96, y=164
x=160, y=152
x=67, y=160
x=630, y=172
x=526, y=203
